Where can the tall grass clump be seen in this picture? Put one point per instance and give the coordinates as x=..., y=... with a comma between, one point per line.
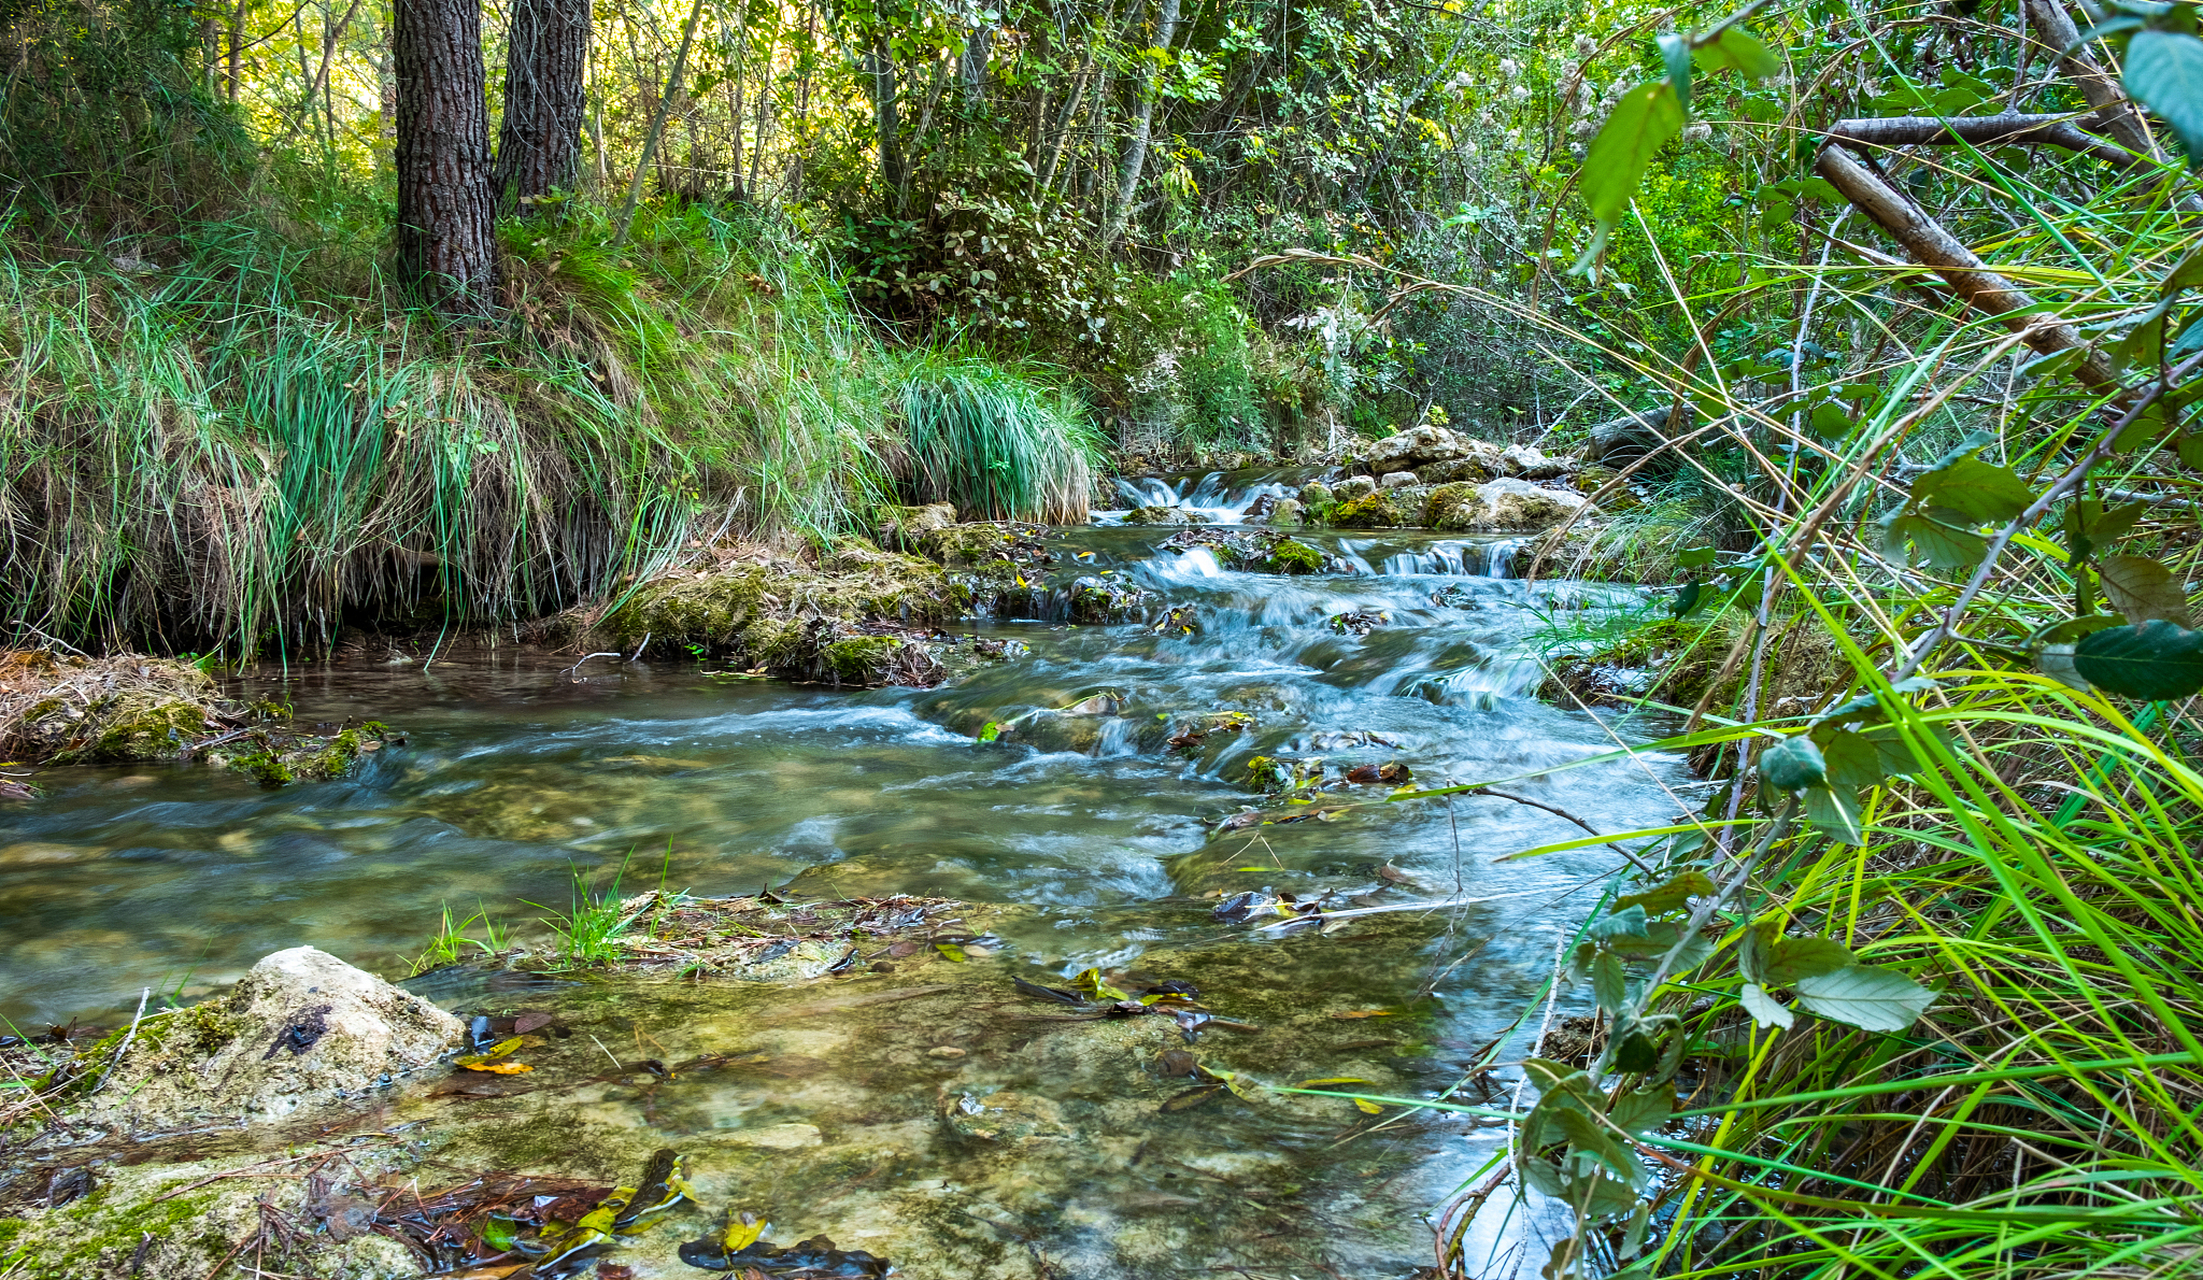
x=244, y=445
x=994, y=443
x=1915, y=988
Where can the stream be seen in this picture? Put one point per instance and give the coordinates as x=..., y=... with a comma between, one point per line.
x=1082, y=829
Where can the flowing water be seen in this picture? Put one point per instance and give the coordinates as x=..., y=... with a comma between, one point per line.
x=1079, y=819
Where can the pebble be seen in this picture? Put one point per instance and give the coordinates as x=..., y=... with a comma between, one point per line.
x=944, y=1051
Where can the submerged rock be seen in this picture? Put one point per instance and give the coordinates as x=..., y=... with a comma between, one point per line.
x=302, y=1029
x=860, y=616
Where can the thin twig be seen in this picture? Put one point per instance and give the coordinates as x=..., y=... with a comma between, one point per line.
x=143, y=996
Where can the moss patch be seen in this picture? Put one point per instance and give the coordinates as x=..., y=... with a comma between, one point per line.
x=1370, y=511
x=1454, y=508
x=857, y=616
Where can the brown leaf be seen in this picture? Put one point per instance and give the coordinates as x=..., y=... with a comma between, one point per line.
x=531, y=1021
x=614, y=1271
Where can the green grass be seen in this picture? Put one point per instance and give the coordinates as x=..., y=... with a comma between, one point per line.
x=452, y=943
x=590, y=929
x=234, y=456
x=996, y=444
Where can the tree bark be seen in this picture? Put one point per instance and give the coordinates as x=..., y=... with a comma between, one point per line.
x=445, y=247
x=2115, y=116
x=1935, y=248
x=880, y=68
x=539, y=143
x=1135, y=155
x=1981, y=131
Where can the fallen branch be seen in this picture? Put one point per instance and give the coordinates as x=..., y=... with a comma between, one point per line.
x=1968, y=276
x=1983, y=131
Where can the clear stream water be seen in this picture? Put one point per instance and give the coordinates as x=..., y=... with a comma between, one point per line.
x=1081, y=819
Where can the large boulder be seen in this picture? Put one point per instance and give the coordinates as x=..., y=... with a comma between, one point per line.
x=1517, y=506
x=1500, y=506
x=1158, y=515
x=1624, y=440
x=1353, y=487
x=302, y=1030
x=1525, y=461
x=1415, y=447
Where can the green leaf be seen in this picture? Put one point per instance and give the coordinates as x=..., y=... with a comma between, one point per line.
x=1687, y=600
x=1636, y=1053
x=1625, y=922
x=1792, y=960
x=1852, y=760
x=1669, y=894
x=1644, y=120
x=1792, y=764
x=1830, y=422
x=1593, y=1139
x=2143, y=589
x=1661, y=937
x=1643, y=1110
x=1976, y=490
x=2145, y=660
x=1933, y=543
x=1609, y=986
x=1834, y=810
x=1742, y=50
x=1695, y=557
x=1675, y=53
x=1865, y=997
x=2165, y=72
x=1765, y=1009
x=2185, y=274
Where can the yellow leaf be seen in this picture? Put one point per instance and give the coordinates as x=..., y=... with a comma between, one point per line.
x=1310, y=1084
x=1367, y=1107
x=494, y=1068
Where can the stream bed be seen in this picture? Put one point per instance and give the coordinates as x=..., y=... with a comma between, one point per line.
x=842, y=1106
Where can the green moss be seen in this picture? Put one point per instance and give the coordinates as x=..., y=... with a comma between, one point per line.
x=263, y=766
x=1289, y=556
x=859, y=659
x=1370, y=511
x=1453, y=508
x=137, y=726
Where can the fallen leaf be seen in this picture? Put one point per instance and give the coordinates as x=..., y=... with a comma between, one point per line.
x=527, y=1022
x=494, y=1068
x=1344, y=1014
x=1367, y=1107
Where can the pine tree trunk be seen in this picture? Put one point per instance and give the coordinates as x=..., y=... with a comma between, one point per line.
x=445, y=247
x=539, y=143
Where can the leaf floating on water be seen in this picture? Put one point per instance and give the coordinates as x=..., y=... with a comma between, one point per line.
x=950, y=952
x=1047, y=993
x=1091, y=982
x=1192, y=1098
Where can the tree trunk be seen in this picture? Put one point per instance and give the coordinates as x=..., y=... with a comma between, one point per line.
x=1135, y=154
x=880, y=64
x=445, y=248
x=539, y=144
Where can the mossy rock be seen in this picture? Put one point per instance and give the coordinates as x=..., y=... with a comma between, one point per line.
x=1289, y=556
x=1370, y=511
x=1455, y=508
x=139, y=725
